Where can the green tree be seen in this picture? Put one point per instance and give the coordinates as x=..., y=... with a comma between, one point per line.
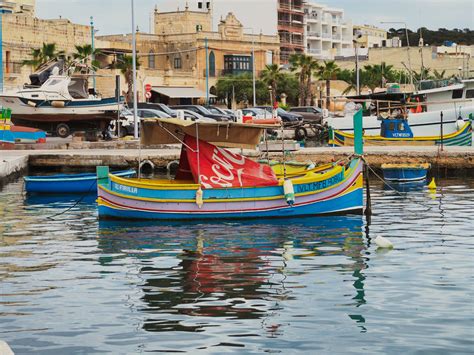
x=85, y=53
x=270, y=76
x=240, y=85
x=306, y=66
x=125, y=64
x=439, y=75
x=328, y=72
x=43, y=55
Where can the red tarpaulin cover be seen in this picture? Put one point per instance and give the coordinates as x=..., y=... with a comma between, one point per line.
x=221, y=168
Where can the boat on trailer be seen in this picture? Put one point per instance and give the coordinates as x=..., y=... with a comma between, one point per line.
x=214, y=182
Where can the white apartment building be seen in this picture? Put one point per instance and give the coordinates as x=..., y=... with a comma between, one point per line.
x=327, y=35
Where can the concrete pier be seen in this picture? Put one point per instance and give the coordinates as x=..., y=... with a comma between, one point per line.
x=12, y=165
x=14, y=161
x=5, y=349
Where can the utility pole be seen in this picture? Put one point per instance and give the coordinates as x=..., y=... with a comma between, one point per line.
x=134, y=64
x=1, y=53
x=207, y=70
x=93, y=49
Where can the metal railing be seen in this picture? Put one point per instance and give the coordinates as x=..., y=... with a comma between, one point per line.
x=314, y=34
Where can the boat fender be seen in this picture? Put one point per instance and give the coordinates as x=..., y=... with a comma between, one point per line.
x=383, y=243
x=459, y=123
x=58, y=104
x=289, y=192
x=199, y=199
x=31, y=103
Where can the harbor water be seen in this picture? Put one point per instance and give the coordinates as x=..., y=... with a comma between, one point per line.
x=71, y=284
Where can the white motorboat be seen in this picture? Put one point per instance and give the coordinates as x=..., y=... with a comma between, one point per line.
x=61, y=104
x=455, y=102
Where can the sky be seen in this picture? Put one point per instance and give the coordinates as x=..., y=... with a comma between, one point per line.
x=114, y=16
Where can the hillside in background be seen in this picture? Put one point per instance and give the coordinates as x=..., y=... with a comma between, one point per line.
x=434, y=38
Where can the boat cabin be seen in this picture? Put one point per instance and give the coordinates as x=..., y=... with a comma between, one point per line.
x=395, y=128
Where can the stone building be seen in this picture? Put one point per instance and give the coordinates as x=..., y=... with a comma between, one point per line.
x=21, y=32
x=173, y=59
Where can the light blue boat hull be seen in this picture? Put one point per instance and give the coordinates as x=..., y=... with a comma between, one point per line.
x=67, y=183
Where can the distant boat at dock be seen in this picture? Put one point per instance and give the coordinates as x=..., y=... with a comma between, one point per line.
x=405, y=172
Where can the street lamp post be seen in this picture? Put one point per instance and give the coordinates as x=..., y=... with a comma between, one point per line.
x=408, y=45
x=253, y=67
x=134, y=64
x=93, y=49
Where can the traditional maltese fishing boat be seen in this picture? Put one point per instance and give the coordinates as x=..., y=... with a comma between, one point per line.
x=214, y=182
x=395, y=132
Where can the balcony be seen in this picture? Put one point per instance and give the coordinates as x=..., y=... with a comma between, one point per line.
x=336, y=37
x=314, y=34
x=326, y=35
x=314, y=51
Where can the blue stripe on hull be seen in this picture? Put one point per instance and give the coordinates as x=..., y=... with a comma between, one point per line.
x=349, y=203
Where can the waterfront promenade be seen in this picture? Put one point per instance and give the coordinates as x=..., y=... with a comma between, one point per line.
x=16, y=161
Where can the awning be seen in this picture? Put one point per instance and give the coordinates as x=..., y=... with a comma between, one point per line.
x=180, y=92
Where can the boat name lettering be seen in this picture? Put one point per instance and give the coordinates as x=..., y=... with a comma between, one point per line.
x=318, y=185
x=129, y=189
x=401, y=135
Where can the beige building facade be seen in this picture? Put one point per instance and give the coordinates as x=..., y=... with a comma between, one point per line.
x=183, y=46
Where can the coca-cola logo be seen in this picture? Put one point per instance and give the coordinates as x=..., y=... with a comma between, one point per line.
x=226, y=168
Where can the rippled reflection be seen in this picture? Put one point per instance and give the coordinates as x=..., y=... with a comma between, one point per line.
x=233, y=270
x=71, y=284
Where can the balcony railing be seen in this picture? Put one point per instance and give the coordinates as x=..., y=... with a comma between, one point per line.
x=337, y=37
x=314, y=34
x=314, y=51
x=326, y=35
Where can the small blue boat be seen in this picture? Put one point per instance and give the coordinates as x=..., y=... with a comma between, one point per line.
x=405, y=172
x=68, y=183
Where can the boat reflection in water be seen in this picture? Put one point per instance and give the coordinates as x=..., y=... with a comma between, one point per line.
x=58, y=201
x=192, y=273
x=405, y=186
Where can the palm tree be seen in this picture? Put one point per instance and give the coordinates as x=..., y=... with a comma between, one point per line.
x=328, y=72
x=84, y=53
x=306, y=66
x=270, y=75
x=439, y=75
x=43, y=55
x=125, y=64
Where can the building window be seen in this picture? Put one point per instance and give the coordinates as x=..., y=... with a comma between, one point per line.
x=237, y=63
x=470, y=94
x=177, y=63
x=212, y=64
x=151, y=60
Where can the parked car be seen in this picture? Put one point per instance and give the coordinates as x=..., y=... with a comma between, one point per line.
x=158, y=106
x=194, y=116
x=202, y=111
x=128, y=121
x=287, y=117
x=311, y=114
x=258, y=113
x=218, y=111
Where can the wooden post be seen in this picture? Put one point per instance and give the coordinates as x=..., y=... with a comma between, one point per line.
x=441, y=115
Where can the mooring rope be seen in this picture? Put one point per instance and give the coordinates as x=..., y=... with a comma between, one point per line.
x=84, y=195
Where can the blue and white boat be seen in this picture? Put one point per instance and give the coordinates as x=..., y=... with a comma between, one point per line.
x=60, y=105
x=405, y=172
x=68, y=183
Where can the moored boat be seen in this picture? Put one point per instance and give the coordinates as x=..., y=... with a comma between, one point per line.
x=405, y=172
x=67, y=183
x=215, y=183
x=397, y=132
